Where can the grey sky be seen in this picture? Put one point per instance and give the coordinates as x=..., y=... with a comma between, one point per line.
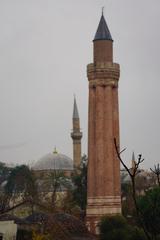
x=45, y=46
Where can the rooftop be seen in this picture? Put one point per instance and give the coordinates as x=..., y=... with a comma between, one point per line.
x=54, y=161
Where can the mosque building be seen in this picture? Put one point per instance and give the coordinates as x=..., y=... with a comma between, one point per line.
x=103, y=177
x=58, y=161
x=54, y=161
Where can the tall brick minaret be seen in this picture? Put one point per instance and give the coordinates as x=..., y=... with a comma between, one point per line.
x=103, y=166
x=76, y=136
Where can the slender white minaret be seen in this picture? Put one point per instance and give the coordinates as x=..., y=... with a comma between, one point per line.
x=76, y=136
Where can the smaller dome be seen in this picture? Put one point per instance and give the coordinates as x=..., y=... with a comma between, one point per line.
x=54, y=161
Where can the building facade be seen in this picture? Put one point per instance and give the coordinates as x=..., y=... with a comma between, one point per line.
x=103, y=196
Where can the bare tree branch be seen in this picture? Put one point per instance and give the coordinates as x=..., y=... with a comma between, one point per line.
x=156, y=171
x=132, y=173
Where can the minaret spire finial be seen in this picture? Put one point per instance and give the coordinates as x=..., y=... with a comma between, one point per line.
x=102, y=10
x=75, y=109
x=103, y=32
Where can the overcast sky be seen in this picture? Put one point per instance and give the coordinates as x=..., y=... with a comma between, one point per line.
x=45, y=46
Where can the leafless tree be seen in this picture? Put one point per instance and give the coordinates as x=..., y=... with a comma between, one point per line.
x=133, y=173
x=156, y=171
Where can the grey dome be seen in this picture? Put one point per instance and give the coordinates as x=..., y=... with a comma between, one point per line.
x=54, y=161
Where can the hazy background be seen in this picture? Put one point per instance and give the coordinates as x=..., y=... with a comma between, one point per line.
x=45, y=46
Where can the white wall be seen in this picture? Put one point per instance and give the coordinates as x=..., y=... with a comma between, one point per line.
x=8, y=229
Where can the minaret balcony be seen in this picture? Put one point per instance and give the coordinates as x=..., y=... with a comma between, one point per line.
x=76, y=135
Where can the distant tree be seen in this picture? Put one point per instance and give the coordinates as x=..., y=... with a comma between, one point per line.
x=156, y=172
x=4, y=199
x=150, y=209
x=142, y=184
x=127, y=200
x=79, y=179
x=4, y=202
x=125, y=186
x=21, y=182
x=21, y=186
x=4, y=172
x=133, y=172
x=55, y=183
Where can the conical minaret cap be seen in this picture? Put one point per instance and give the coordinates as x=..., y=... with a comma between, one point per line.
x=75, y=110
x=103, y=32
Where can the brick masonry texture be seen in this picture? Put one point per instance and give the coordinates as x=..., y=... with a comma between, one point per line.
x=103, y=196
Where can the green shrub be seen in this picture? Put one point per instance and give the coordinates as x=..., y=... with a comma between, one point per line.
x=149, y=204
x=116, y=228
x=109, y=223
x=136, y=233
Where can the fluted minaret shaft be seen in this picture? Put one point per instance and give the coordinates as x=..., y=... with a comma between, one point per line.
x=76, y=136
x=103, y=196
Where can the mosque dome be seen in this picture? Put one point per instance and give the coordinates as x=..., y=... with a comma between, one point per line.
x=54, y=161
